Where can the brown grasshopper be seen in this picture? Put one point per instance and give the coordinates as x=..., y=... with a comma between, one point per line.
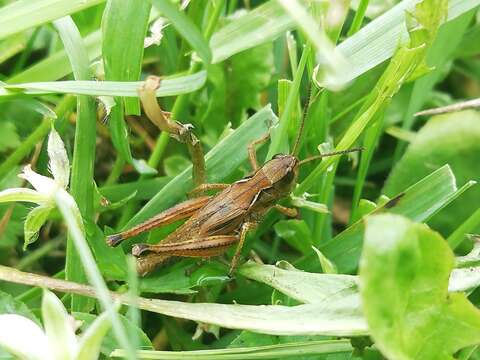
x=217, y=222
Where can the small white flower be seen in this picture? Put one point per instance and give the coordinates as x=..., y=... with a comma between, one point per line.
x=45, y=189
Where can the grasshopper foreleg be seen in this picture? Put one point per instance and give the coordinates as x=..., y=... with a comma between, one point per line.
x=179, y=131
x=252, y=153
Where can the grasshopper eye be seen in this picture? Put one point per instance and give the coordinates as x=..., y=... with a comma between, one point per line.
x=277, y=156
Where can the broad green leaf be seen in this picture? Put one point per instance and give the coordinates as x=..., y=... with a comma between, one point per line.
x=24, y=14
x=168, y=87
x=404, y=275
x=58, y=327
x=185, y=27
x=310, y=288
x=34, y=221
x=446, y=139
x=221, y=161
x=279, y=351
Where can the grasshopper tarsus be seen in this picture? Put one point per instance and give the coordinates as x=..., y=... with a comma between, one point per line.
x=114, y=240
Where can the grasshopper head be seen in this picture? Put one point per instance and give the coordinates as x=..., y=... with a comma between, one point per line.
x=282, y=172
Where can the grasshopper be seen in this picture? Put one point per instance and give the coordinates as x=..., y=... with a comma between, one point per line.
x=217, y=222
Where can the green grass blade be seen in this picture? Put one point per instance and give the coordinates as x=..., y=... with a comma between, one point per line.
x=280, y=134
x=333, y=66
x=377, y=41
x=169, y=87
x=224, y=158
x=264, y=23
x=24, y=14
x=81, y=182
x=279, y=351
x=359, y=17
x=186, y=28
x=124, y=26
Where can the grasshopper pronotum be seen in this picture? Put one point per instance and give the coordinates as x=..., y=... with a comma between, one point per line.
x=219, y=221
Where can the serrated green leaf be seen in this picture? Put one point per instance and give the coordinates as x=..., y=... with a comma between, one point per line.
x=404, y=276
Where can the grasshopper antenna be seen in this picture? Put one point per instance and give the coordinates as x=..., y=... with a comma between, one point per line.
x=333, y=153
x=302, y=123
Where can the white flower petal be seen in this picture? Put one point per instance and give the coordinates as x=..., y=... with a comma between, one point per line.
x=156, y=32
x=59, y=164
x=42, y=184
x=58, y=327
x=23, y=338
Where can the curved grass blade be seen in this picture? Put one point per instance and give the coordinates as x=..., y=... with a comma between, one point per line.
x=170, y=86
x=84, y=147
x=278, y=351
